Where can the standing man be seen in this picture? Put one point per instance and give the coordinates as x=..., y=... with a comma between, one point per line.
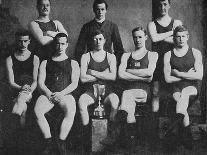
x=44, y=30
x=58, y=78
x=183, y=67
x=98, y=67
x=160, y=32
x=109, y=28
x=137, y=70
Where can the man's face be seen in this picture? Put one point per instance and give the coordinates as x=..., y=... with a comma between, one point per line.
x=98, y=41
x=164, y=7
x=61, y=45
x=44, y=8
x=181, y=38
x=100, y=11
x=139, y=38
x=22, y=42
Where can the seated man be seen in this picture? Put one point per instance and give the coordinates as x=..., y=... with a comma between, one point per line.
x=22, y=67
x=97, y=67
x=136, y=69
x=58, y=78
x=183, y=68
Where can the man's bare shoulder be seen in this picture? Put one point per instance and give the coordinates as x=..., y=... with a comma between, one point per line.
x=85, y=56
x=177, y=22
x=153, y=54
x=196, y=51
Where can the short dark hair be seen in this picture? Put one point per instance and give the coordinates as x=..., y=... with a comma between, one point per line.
x=97, y=32
x=39, y=2
x=96, y=2
x=22, y=32
x=180, y=28
x=60, y=35
x=139, y=28
x=169, y=1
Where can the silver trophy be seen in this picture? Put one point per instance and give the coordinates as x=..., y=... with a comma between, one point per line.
x=99, y=92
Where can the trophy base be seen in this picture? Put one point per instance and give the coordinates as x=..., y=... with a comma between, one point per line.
x=99, y=132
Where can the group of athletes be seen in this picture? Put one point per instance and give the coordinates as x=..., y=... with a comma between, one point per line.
x=40, y=61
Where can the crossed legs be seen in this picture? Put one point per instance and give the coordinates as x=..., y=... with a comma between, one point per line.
x=129, y=99
x=182, y=99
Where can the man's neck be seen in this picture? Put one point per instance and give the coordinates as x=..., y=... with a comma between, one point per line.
x=100, y=20
x=61, y=56
x=21, y=52
x=44, y=18
x=98, y=51
x=140, y=50
x=182, y=49
x=164, y=18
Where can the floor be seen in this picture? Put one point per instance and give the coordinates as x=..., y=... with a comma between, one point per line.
x=29, y=142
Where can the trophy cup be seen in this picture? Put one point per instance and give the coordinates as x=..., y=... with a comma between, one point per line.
x=99, y=92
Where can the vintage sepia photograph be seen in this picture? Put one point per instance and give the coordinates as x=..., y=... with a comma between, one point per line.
x=103, y=77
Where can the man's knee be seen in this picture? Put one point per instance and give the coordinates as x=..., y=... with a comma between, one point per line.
x=84, y=101
x=69, y=100
x=114, y=100
x=70, y=105
x=176, y=96
x=188, y=91
x=38, y=109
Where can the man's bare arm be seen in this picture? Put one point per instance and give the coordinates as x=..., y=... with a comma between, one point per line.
x=9, y=66
x=84, y=76
x=36, y=64
x=197, y=72
x=167, y=69
x=74, y=78
x=42, y=77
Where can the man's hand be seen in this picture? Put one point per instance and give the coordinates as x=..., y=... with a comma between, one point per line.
x=56, y=97
x=26, y=87
x=175, y=72
x=50, y=33
x=192, y=70
x=90, y=72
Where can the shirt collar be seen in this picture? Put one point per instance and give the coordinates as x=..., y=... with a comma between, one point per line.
x=100, y=21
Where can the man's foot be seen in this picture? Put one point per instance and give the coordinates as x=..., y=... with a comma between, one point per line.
x=187, y=139
x=48, y=147
x=62, y=147
x=170, y=143
x=108, y=141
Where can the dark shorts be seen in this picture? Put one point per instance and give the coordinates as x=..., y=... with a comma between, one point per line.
x=159, y=70
x=179, y=86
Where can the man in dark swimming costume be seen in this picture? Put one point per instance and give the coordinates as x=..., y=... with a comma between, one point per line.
x=97, y=67
x=58, y=78
x=160, y=32
x=183, y=67
x=137, y=70
x=44, y=30
x=22, y=68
